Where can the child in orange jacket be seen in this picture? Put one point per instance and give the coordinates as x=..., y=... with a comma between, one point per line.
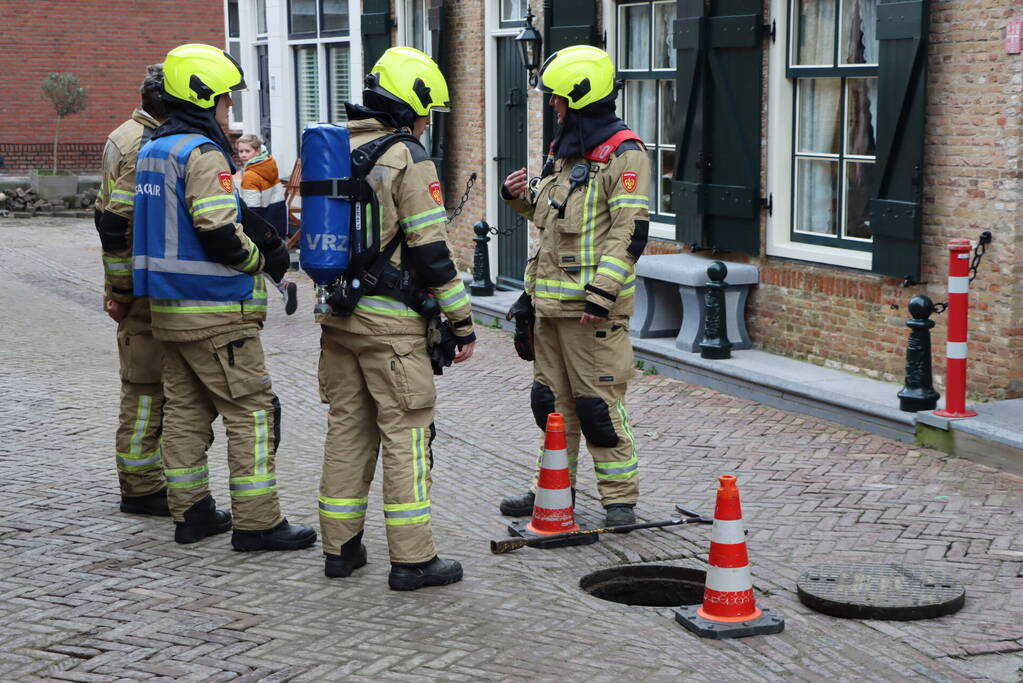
x=261, y=186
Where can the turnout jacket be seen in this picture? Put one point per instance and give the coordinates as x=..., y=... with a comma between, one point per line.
x=405, y=182
x=585, y=262
x=117, y=197
x=191, y=255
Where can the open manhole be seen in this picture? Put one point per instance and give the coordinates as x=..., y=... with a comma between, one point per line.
x=649, y=585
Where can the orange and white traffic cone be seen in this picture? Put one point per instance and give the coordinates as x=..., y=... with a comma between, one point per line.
x=553, y=510
x=729, y=609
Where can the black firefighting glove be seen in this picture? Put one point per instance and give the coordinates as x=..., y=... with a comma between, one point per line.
x=441, y=344
x=524, y=314
x=276, y=258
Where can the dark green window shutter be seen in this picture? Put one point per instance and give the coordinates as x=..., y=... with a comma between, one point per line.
x=376, y=31
x=716, y=188
x=896, y=202
x=439, y=51
x=566, y=22
x=572, y=22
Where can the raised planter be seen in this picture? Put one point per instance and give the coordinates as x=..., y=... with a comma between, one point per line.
x=60, y=186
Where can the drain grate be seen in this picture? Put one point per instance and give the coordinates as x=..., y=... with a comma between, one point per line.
x=647, y=585
x=880, y=591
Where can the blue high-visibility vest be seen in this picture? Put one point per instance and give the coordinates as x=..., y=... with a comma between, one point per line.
x=168, y=260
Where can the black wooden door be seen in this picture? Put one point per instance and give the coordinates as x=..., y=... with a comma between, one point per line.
x=263, y=74
x=511, y=155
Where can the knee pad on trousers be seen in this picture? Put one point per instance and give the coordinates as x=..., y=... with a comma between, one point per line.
x=541, y=400
x=595, y=421
x=277, y=422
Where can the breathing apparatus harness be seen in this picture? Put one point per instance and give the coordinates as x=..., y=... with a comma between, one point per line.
x=369, y=270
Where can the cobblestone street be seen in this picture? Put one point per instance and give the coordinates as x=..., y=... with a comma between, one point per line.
x=90, y=594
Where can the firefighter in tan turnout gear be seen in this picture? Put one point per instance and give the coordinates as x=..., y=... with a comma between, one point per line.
x=375, y=371
x=591, y=207
x=137, y=443
x=203, y=273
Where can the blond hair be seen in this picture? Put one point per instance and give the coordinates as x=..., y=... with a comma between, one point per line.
x=251, y=140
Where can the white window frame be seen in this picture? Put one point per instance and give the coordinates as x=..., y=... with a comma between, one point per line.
x=780, y=113
x=321, y=43
x=609, y=9
x=402, y=17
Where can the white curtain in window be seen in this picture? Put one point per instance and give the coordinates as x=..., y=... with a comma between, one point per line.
x=815, y=30
x=636, y=36
x=307, y=86
x=859, y=31
x=818, y=132
x=339, y=81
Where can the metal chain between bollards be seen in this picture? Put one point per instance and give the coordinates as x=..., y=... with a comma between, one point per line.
x=985, y=239
x=978, y=253
x=503, y=233
x=465, y=197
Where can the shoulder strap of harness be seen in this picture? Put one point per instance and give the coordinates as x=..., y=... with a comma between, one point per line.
x=602, y=152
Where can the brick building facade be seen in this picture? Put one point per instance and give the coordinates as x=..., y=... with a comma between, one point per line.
x=811, y=304
x=107, y=45
x=824, y=295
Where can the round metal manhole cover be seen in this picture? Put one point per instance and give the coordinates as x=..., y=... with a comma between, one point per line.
x=880, y=591
x=649, y=585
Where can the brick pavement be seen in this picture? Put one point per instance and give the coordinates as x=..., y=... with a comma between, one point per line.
x=89, y=594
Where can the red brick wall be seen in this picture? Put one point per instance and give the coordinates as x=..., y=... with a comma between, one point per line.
x=466, y=142
x=78, y=157
x=107, y=45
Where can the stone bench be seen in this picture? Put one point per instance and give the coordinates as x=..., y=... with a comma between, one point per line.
x=671, y=299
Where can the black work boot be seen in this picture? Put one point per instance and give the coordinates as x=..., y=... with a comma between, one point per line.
x=201, y=520
x=436, y=572
x=150, y=504
x=619, y=514
x=284, y=536
x=518, y=506
x=353, y=556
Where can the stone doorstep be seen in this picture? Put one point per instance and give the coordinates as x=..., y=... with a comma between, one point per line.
x=994, y=438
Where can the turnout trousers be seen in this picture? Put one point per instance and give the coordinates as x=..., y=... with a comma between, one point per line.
x=137, y=443
x=381, y=395
x=582, y=372
x=225, y=374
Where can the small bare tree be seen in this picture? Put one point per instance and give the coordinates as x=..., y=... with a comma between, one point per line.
x=68, y=98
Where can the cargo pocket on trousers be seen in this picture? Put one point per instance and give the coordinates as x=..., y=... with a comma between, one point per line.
x=412, y=375
x=241, y=357
x=141, y=358
x=611, y=353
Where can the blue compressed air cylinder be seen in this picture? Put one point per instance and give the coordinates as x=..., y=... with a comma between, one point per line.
x=326, y=241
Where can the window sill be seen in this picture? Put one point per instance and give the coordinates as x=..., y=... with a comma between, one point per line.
x=662, y=231
x=818, y=254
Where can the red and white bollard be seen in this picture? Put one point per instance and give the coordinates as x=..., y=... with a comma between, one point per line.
x=958, y=323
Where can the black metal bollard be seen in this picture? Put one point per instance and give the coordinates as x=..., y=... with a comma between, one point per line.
x=481, y=284
x=715, y=344
x=919, y=393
